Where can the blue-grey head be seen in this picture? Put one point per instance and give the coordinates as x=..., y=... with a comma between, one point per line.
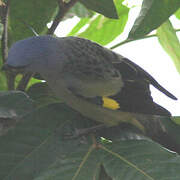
x=35, y=53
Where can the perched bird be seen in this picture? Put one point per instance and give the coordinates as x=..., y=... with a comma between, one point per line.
x=99, y=83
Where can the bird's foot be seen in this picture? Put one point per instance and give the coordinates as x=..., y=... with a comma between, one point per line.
x=84, y=132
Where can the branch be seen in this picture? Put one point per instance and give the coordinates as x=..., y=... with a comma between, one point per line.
x=4, y=18
x=63, y=9
x=4, y=42
x=130, y=40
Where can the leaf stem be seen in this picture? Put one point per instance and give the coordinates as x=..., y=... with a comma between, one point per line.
x=83, y=162
x=130, y=40
x=127, y=162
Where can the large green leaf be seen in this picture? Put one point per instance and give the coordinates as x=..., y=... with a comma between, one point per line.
x=30, y=13
x=103, y=30
x=14, y=104
x=78, y=26
x=122, y=160
x=105, y=7
x=42, y=94
x=140, y=159
x=153, y=13
x=37, y=149
x=170, y=42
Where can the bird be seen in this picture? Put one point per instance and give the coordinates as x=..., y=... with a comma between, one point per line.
x=95, y=81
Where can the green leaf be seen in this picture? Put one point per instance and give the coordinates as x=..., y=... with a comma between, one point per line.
x=42, y=94
x=37, y=149
x=3, y=81
x=122, y=160
x=14, y=104
x=35, y=14
x=36, y=143
x=104, y=7
x=103, y=30
x=178, y=14
x=171, y=136
x=176, y=119
x=153, y=13
x=78, y=26
x=79, y=10
x=140, y=159
x=169, y=41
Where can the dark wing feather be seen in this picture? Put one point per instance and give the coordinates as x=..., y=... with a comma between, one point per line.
x=146, y=76
x=135, y=96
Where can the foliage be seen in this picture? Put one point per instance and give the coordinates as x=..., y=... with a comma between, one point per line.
x=36, y=128
x=109, y=28
x=169, y=41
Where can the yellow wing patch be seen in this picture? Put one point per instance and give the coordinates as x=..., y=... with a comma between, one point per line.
x=110, y=103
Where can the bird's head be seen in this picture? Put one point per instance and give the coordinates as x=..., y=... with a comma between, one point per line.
x=34, y=53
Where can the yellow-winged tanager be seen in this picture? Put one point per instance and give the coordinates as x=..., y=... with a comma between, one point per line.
x=99, y=83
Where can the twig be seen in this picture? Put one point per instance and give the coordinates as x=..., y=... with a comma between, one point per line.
x=63, y=9
x=130, y=40
x=4, y=41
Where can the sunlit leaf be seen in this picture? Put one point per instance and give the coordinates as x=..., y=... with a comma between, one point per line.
x=103, y=30
x=178, y=14
x=170, y=42
x=153, y=13
x=78, y=26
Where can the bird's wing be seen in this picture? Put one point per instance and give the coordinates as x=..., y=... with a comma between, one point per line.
x=91, y=62
x=110, y=80
x=88, y=69
x=135, y=96
x=139, y=73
